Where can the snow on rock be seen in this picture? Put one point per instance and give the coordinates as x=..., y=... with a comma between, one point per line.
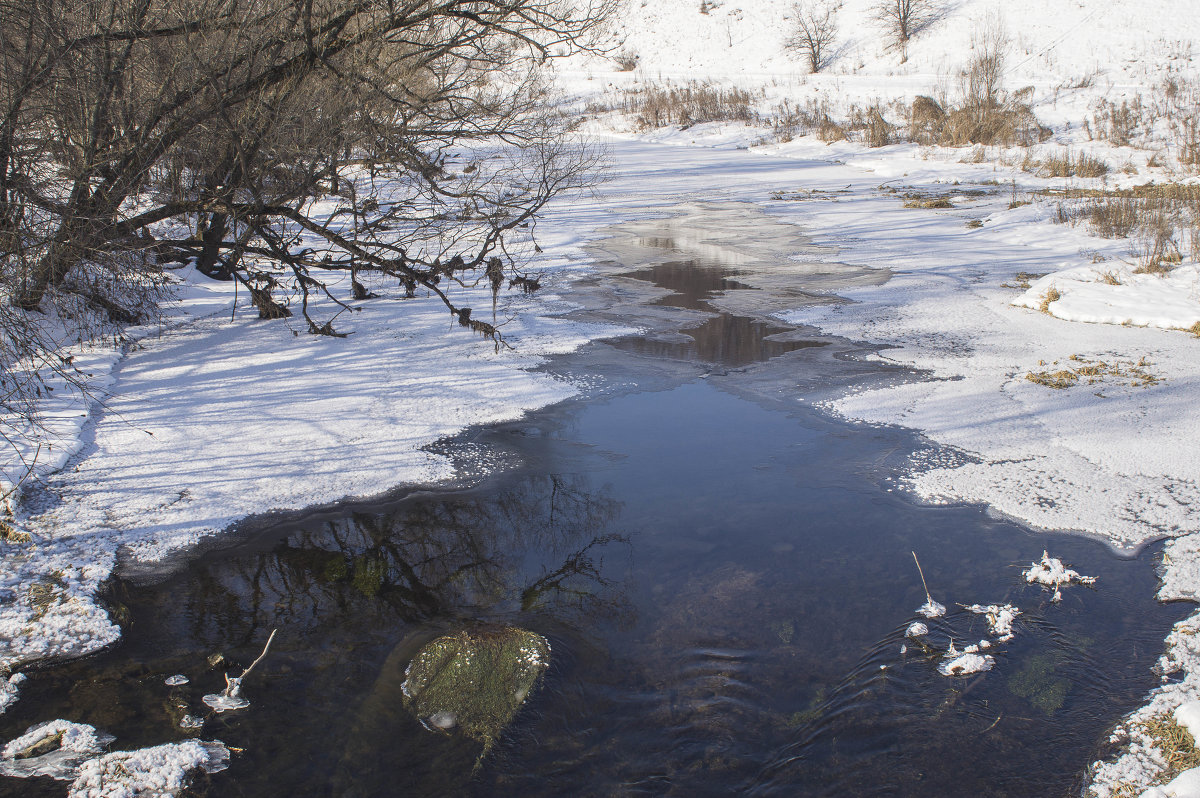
x=78, y=737
x=59, y=748
x=10, y=688
x=158, y=772
x=999, y=617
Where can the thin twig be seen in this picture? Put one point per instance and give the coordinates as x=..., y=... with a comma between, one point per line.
x=260, y=656
x=922, y=573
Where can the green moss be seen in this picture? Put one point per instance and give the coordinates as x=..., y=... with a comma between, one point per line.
x=369, y=574
x=811, y=714
x=336, y=569
x=1037, y=683
x=473, y=682
x=785, y=630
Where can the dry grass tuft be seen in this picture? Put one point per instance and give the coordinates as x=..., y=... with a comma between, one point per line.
x=1111, y=278
x=1175, y=743
x=1066, y=165
x=936, y=203
x=1052, y=295
x=688, y=104
x=1081, y=369
x=1024, y=280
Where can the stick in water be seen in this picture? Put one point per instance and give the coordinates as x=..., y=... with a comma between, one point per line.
x=919, y=571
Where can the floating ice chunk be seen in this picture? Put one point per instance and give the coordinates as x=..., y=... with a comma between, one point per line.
x=961, y=663
x=222, y=702
x=191, y=722
x=1052, y=573
x=9, y=689
x=176, y=680
x=964, y=663
x=161, y=771
x=78, y=737
x=999, y=617
x=55, y=749
x=932, y=609
x=916, y=629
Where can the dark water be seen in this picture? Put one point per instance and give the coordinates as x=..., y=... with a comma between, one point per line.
x=723, y=576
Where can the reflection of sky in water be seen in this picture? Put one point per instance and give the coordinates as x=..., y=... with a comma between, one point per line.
x=725, y=586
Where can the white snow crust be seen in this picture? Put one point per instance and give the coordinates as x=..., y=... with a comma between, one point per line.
x=1000, y=619
x=161, y=771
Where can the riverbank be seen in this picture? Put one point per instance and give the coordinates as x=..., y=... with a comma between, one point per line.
x=194, y=418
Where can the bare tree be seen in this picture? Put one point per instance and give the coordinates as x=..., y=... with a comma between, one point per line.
x=814, y=32
x=277, y=143
x=903, y=19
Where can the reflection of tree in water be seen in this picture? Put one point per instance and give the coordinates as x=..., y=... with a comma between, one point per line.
x=537, y=545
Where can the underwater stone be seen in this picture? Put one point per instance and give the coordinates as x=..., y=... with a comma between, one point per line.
x=475, y=680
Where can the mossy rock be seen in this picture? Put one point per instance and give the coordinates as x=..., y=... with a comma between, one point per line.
x=474, y=681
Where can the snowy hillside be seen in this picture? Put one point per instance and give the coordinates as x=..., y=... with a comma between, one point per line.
x=1114, y=46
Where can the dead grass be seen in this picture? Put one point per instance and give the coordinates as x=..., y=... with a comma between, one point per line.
x=1175, y=743
x=1080, y=369
x=1194, y=329
x=688, y=104
x=1052, y=295
x=936, y=203
x=1111, y=278
x=1068, y=165
x=1023, y=280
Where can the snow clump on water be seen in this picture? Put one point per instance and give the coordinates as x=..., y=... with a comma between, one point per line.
x=932, y=609
x=916, y=629
x=1051, y=572
x=1000, y=619
x=967, y=661
x=156, y=772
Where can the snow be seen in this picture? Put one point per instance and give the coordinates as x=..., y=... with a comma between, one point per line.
x=1188, y=716
x=1087, y=293
x=77, y=737
x=1051, y=572
x=157, y=772
x=932, y=609
x=77, y=743
x=1000, y=619
x=964, y=663
x=916, y=629
x=10, y=688
x=1185, y=785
